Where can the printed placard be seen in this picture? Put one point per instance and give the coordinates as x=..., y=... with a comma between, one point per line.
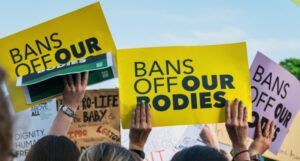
x=184, y=85
x=275, y=96
x=62, y=40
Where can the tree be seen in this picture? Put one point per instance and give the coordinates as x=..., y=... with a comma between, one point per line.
x=292, y=65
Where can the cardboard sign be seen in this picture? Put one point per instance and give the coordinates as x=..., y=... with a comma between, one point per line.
x=184, y=85
x=275, y=96
x=63, y=40
x=97, y=119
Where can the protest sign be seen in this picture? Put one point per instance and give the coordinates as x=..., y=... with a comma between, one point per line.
x=275, y=95
x=37, y=88
x=71, y=37
x=31, y=125
x=97, y=119
x=184, y=85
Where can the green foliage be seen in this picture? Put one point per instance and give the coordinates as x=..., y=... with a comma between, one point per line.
x=292, y=65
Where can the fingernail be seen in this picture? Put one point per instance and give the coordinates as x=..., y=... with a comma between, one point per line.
x=235, y=100
x=227, y=103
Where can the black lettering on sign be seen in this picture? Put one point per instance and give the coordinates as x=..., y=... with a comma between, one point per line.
x=94, y=116
x=273, y=82
x=34, y=56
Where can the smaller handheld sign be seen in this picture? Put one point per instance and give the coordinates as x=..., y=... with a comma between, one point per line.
x=275, y=96
x=97, y=119
x=184, y=85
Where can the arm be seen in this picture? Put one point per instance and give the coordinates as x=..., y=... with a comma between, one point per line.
x=210, y=138
x=141, y=127
x=237, y=128
x=72, y=96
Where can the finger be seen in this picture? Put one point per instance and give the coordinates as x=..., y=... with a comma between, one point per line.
x=143, y=113
x=138, y=115
x=85, y=79
x=258, y=129
x=234, y=110
x=66, y=85
x=272, y=130
x=78, y=79
x=245, y=116
x=148, y=114
x=266, y=132
x=241, y=111
x=70, y=81
x=227, y=111
x=133, y=123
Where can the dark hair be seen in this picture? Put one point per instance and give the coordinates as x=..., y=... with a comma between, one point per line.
x=53, y=148
x=108, y=152
x=5, y=122
x=199, y=153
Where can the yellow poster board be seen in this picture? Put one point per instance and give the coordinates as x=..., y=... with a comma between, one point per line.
x=62, y=40
x=184, y=85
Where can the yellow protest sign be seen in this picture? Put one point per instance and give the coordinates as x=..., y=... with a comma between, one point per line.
x=184, y=85
x=62, y=40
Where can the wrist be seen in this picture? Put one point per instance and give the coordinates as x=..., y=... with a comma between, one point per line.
x=253, y=151
x=239, y=148
x=256, y=148
x=242, y=155
x=67, y=111
x=133, y=146
x=72, y=105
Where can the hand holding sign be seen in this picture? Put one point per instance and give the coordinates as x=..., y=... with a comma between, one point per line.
x=237, y=128
x=141, y=126
x=263, y=138
x=74, y=89
x=73, y=95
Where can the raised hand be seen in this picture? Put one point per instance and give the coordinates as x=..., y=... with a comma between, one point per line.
x=141, y=126
x=74, y=89
x=263, y=138
x=237, y=128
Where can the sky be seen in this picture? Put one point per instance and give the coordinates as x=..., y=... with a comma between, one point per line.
x=269, y=26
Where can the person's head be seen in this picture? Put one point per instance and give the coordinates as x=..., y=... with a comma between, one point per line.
x=199, y=153
x=108, y=152
x=53, y=148
x=5, y=124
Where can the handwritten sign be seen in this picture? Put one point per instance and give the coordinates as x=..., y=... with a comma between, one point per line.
x=275, y=96
x=184, y=85
x=97, y=119
x=63, y=40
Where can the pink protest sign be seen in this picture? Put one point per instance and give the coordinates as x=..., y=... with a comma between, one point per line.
x=275, y=96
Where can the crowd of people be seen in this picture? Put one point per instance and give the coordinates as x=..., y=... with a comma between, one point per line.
x=57, y=147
